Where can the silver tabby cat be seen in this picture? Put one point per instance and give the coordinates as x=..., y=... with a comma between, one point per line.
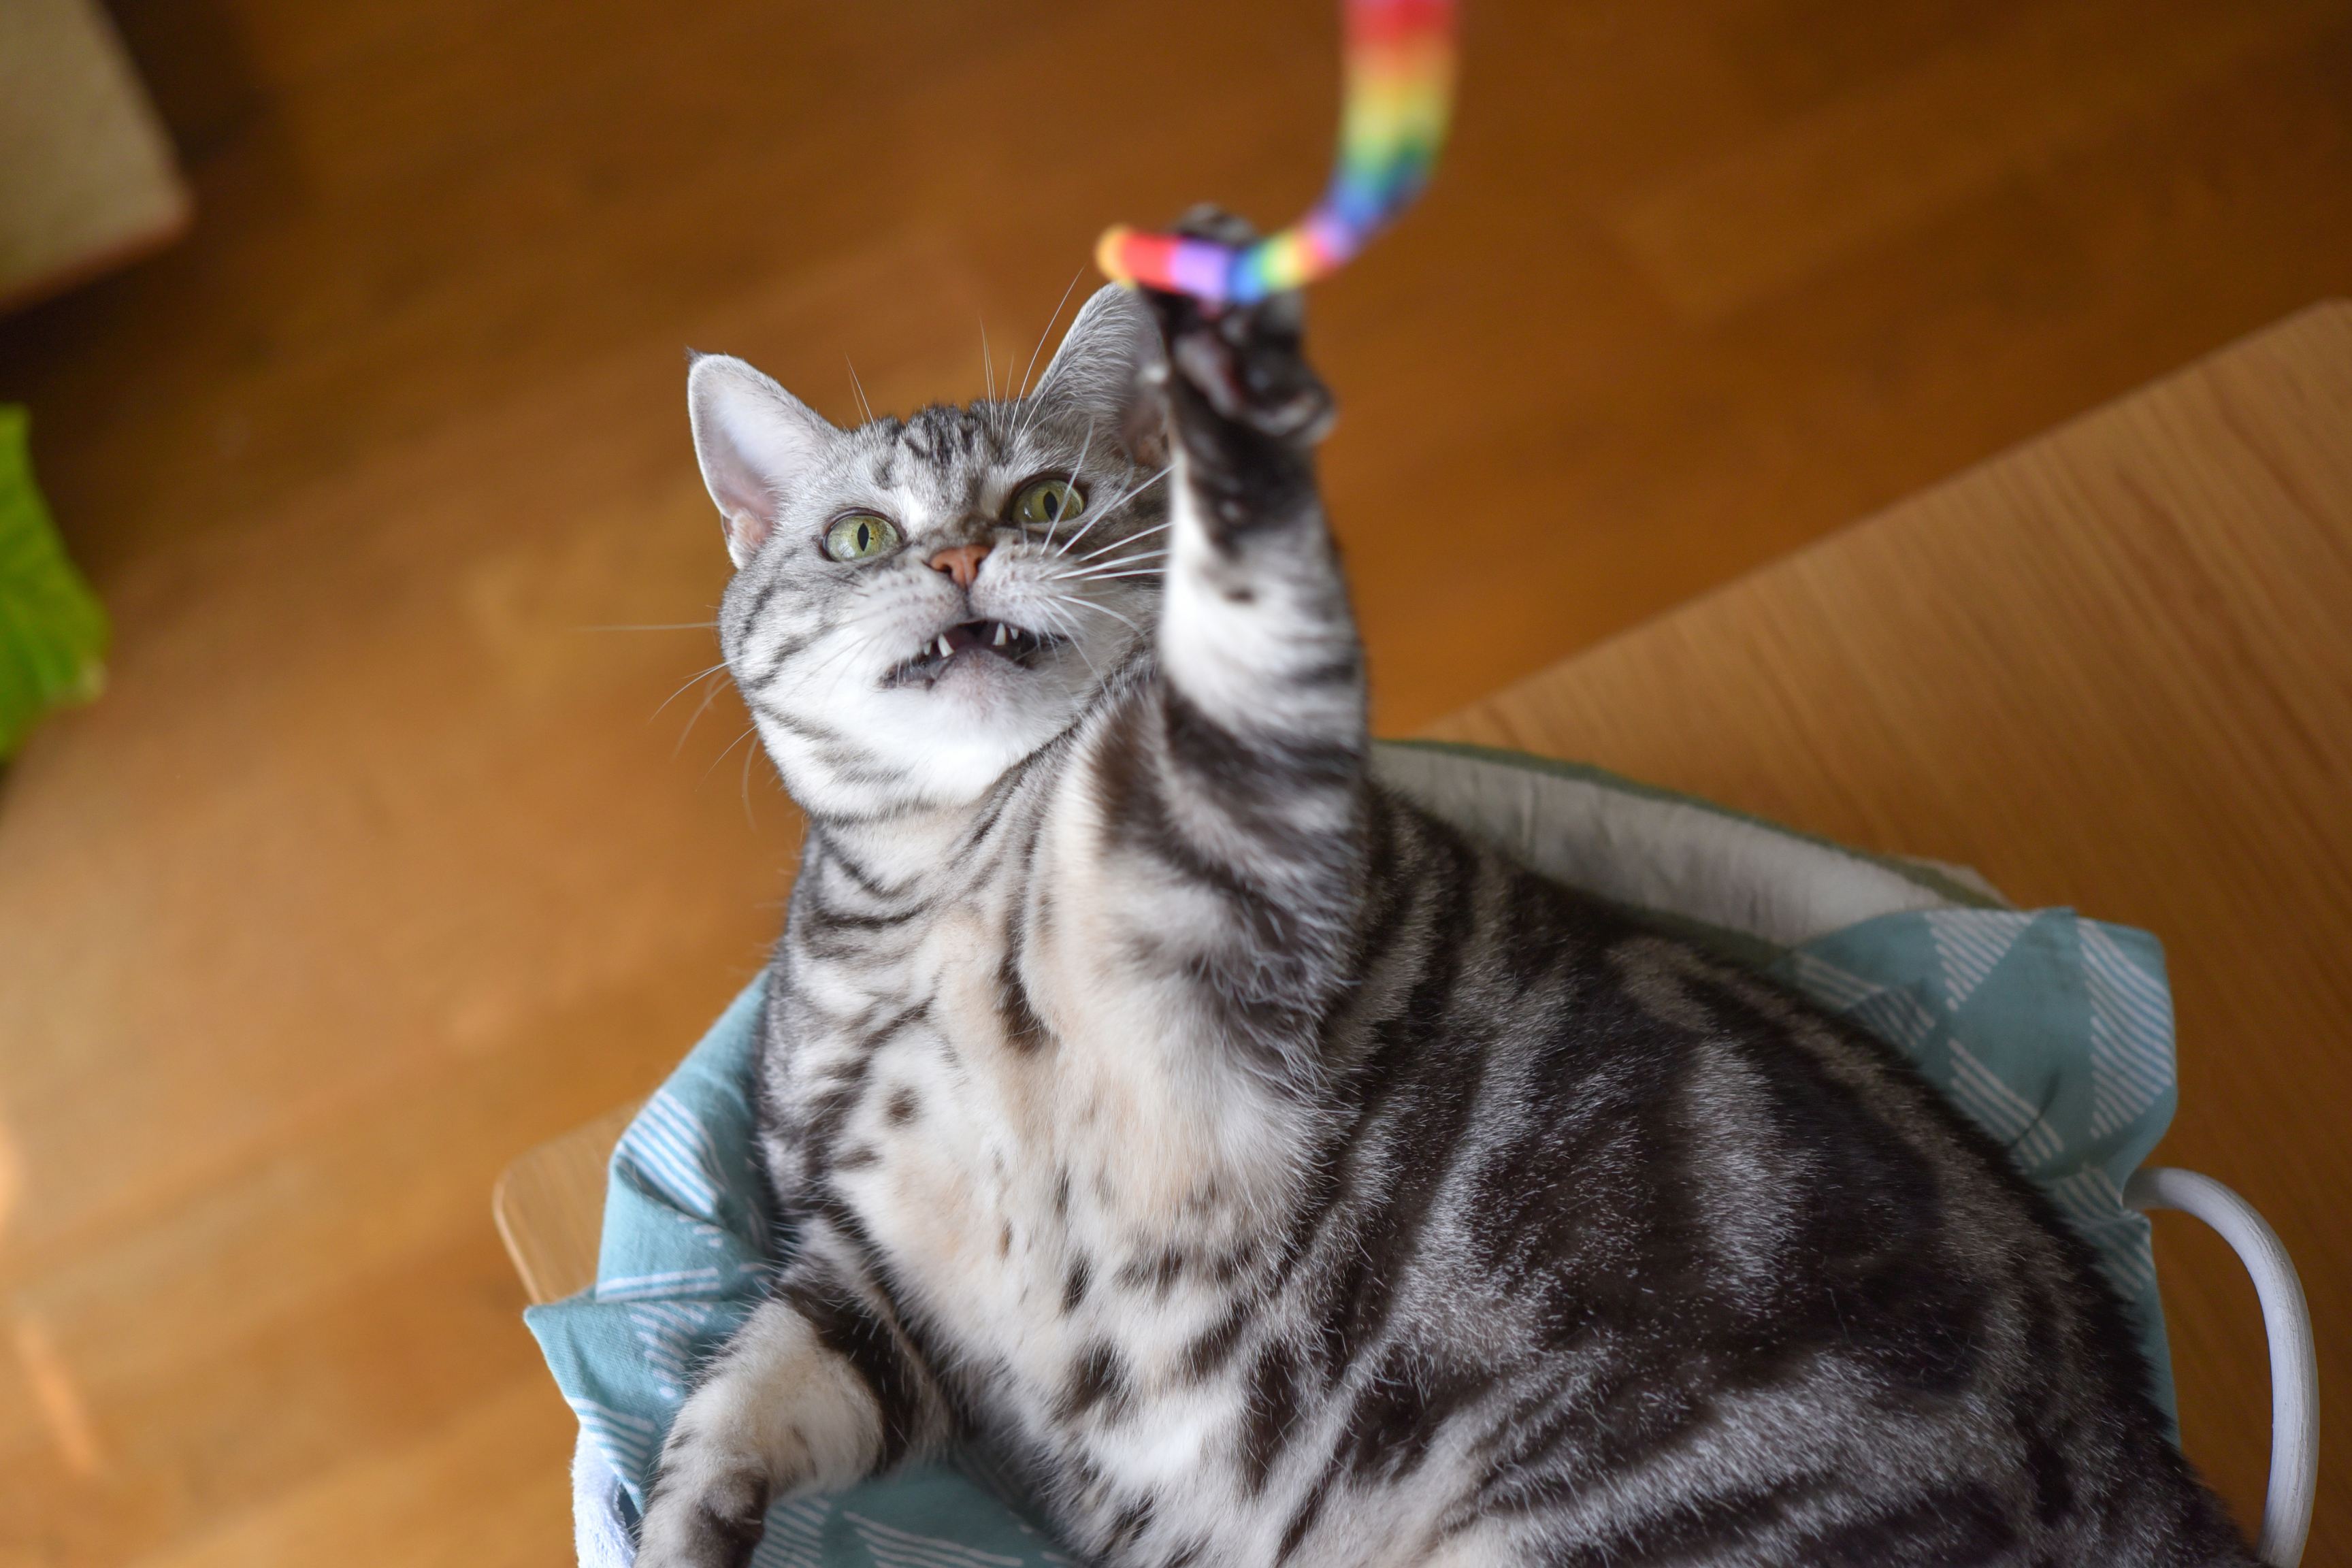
x=1271, y=1175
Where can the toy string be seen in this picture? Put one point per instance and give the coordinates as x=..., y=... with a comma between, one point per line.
x=1398, y=73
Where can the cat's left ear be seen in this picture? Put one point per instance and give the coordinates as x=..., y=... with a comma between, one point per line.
x=757, y=444
x=1110, y=368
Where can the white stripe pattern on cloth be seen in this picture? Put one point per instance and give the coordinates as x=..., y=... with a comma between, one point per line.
x=2000, y=1109
x=672, y=1153
x=1897, y=1017
x=1968, y=944
x=796, y=1537
x=1893, y=1014
x=902, y=1549
x=1827, y=984
x=628, y=1440
x=668, y=1283
x=668, y=1329
x=2131, y=1034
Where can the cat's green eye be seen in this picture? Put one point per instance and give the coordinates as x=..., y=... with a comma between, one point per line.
x=1047, y=501
x=859, y=537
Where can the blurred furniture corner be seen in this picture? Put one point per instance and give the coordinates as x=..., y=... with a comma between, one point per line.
x=87, y=180
x=549, y=1206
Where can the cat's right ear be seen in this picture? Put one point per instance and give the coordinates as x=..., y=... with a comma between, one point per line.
x=1109, y=370
x=757, y=443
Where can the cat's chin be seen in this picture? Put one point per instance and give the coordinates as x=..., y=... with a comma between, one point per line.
x=942, y=740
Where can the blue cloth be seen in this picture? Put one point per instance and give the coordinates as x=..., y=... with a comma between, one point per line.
x=2053, y=1032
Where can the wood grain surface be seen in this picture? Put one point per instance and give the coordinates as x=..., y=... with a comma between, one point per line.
x=382, y=860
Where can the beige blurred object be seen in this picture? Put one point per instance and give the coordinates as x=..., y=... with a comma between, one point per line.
x=88, y=181
x=549, y=1206
x=2112, y=669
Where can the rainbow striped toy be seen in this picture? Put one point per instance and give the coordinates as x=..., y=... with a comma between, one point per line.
x=1400, y=88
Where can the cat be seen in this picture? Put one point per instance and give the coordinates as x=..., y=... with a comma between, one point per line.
x=1269, y=1174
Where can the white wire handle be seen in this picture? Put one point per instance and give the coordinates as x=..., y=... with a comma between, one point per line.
x=2286, y=1322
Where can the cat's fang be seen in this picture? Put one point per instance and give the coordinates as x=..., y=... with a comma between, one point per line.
x=999, y=635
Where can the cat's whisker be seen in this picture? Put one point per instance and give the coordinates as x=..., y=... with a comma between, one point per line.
x=1025, y=417
x=1084, y=447
x=710, y=694
x=1065, y=627
x=1117, y=566
x=749, y=752
x=698, y=675
x=750, y=729
x=1105, y=609
x=1049, y=333
x=860, y=388
x=851, y=646
x=1123, y=499
x=1105, y=563
x=1113, y=576
x=1108, y=550
x=1032, y=407
x=1131, y=493
x=1127, y=539
x=658, y=626
x=987, y=365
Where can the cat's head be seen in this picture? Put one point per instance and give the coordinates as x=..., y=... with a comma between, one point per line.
x=919, y=605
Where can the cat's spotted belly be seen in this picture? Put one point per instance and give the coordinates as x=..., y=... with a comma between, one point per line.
x=1122, y=1344
x=1084, y=1263
x=1059, y=1220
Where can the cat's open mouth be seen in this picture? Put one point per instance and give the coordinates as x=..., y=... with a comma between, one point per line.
x=998, y=639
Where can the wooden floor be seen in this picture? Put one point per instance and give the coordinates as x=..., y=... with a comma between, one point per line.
x=383, y=858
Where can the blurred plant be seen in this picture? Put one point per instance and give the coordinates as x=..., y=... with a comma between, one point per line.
x=53, y=631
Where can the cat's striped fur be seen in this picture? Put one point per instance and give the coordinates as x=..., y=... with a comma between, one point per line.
x=1271, y=1175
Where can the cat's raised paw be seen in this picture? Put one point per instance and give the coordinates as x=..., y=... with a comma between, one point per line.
x=1245, y=361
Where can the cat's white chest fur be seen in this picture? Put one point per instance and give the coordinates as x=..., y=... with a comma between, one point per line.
x=1039, y=1177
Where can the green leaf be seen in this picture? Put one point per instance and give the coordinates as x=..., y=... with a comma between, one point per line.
x=53, y=631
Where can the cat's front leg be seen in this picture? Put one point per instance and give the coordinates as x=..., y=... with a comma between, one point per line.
x=1256, y=633
x=1243, y=774
x=817, y=1390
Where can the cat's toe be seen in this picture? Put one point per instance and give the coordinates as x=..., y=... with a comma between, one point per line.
x=1247, y=360
x=1209, y=221
x=719, y=1527
x=1247, y=363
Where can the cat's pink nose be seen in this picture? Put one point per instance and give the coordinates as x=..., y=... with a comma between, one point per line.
x=961, y=562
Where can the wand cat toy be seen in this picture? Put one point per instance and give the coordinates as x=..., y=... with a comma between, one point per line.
x=1399, y=69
